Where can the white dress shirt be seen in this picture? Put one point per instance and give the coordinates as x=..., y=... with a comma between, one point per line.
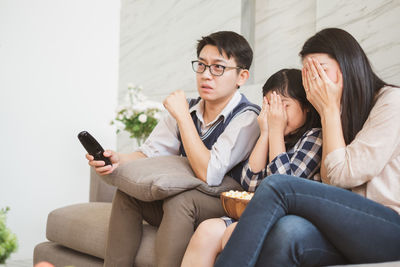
x=232, y=146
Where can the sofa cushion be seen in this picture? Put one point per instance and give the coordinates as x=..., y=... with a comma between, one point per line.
x=160, y=177
x=83, y=228
x=61, y=256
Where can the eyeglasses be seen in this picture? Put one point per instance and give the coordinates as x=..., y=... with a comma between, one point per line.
x=215, y=69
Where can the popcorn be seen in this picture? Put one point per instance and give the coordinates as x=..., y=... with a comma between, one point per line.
x=239, y=194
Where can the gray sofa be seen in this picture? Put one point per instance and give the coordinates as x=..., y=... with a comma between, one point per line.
x=77, y=233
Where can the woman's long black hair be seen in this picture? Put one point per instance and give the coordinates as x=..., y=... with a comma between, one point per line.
x=360, y=83
x=288, y=82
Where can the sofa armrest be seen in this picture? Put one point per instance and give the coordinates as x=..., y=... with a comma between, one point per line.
x=99, y=190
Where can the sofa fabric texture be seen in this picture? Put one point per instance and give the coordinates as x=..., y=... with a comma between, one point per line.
x=78, y=235
x=82, y=227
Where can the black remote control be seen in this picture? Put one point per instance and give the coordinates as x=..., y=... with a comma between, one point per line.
x=93, y=147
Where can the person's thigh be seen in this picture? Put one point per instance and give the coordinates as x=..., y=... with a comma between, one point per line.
x=125, y=228
x=362, y=230
x=294, y=241
x=182, y=214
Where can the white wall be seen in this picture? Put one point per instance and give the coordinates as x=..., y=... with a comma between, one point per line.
x=58, y=76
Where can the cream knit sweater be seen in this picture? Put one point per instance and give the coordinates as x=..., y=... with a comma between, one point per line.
x=370, y=164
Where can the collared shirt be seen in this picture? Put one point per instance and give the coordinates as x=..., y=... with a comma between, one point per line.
x=232, y=147
x=302, y=160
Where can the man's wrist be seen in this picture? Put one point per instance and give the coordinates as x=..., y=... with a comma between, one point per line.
x=184, y=119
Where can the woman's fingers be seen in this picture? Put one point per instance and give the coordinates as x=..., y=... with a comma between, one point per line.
x=313, y=69
x=304, y=79
x=307, y=75
x=320, y=70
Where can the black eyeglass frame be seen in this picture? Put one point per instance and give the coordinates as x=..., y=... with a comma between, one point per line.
x=209, y=67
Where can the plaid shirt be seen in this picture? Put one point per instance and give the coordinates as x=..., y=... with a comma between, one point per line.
x=302, y=160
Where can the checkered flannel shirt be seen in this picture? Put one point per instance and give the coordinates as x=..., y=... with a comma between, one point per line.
x=302, y=160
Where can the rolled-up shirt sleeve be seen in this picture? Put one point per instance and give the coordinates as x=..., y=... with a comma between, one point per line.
x=233, y=146
x=251, y=180
x=163, y=140
x=366, y=156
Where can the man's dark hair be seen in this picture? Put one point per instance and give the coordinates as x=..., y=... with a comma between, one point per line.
x=360, y=83
x=288, y=83
x=233, y=44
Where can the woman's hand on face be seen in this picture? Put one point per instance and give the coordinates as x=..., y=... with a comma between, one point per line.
x=262, y=117
x=276, y=114
x=322, y=92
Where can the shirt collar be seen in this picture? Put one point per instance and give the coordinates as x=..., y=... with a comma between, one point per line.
x=199, y=108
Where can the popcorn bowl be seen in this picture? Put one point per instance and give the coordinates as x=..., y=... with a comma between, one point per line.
x=235, y=202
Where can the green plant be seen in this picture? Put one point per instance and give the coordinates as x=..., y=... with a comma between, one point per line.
x=139, y=116
x=8, y=240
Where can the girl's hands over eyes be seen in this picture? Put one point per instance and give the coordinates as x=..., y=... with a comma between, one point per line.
x=277, y=117
x=262, y=119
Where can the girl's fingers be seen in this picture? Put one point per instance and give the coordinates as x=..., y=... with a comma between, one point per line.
x=267, y=108
x=273, y=101
x=264, y=103
x=279, y=103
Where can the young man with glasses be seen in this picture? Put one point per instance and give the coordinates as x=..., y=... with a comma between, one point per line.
x=216, y=132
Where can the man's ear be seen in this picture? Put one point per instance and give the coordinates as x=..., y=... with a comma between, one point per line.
x=243, y=77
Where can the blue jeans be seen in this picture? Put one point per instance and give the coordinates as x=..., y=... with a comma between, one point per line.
x=331, y=226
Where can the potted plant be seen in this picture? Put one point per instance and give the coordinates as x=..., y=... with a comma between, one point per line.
x=8, y=240
x=138, y=116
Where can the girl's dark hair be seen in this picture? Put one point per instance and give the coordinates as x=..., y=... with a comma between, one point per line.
x=360, y=83
x=288, y=82
x=233, y=44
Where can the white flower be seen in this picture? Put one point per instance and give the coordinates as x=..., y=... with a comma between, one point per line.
x=130, y=85
x=120, y=116
x=142, y=118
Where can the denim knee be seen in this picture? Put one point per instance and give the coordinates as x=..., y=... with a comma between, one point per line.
x=294, y=241
x=289, y=231
x=283, y=245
